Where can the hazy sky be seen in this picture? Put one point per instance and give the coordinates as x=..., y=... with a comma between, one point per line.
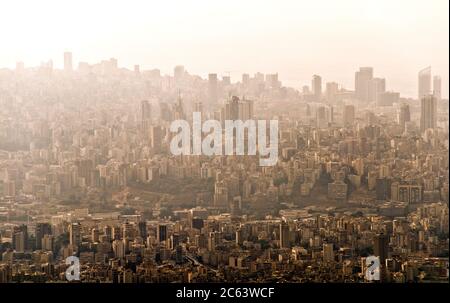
x=297, y=39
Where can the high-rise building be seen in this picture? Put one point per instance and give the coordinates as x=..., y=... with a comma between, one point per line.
x=116, y=233
x=68, y=67
x=75, y=234
x=272, y=81
x=245, y=80
x=233, y=108
x=437, y=87
x=382, y=188
x=376, y=87
x=127, y=230
x=428, y=113
x=403, y=115
x=226, y=80
x=348, y=115
x=9, y=188
x=118, y=247
x=387, y=98
x=214, y=239
x=220, y=194
x=381, y=247
x=162, y=232
x=328, y=253
x=20, y=238
x=409, y=193
x=174, y=240
x=381, y=250
x=284, y=235
x=236, y=109
x=212, y=89
x=107, y=231
x=305, y=90
x=48, y=242
x=324, y=115
x=146, y=113
x=142, y=227
x=362, y=80
x=156, y=136
x=317, y=87
x=337, y=191
x=332, y=90
x=95, y=235
x=179, y=255
x=424, y=82
x=145, y=110
x=41, y=230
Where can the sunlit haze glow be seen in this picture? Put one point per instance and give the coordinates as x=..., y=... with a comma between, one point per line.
x=294, y=38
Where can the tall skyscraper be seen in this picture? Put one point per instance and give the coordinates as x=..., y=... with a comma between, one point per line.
x=324, y=116
x=428, y=113
x=284, y=235
x=142, y=227
x=212, y=89
x=424, y=82
x=118, y=247
x=381, y=250
x=20, y=238
x=95, y=235
x=41, y=230
x=162, y=232
x=376, y=86
x=317, y=87
x=381, y=247
x=214, y=239
x=233, y=113
x=48, y=242
x=437, y=87
x=328, y=253
x=362, y=79
x=348, y=115
x=75, y=234
x=156, y=136
x=68, y=67
x=403, y=115
x=146, y=114
x=128, y=230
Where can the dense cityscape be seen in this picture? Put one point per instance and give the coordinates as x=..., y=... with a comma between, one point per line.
x=86, y=171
